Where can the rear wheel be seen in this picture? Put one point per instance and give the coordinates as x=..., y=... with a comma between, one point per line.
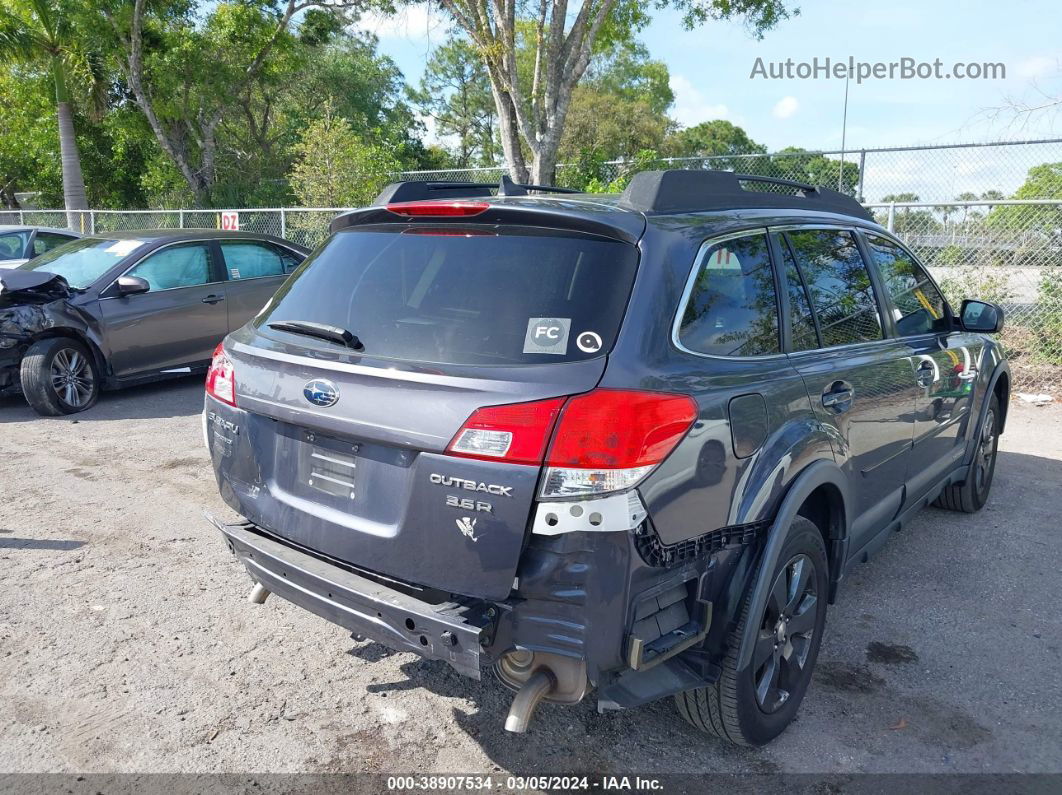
x=59, y=377
x=753, y=706
x=971, y=495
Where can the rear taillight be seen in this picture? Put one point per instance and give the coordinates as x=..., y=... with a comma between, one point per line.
x=438, y=208
x=604, y=441
x=516, y=433
x=221, y=379
x=610, y=439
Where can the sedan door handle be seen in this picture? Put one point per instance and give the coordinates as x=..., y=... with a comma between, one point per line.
x=838, y=397
x=213, y=299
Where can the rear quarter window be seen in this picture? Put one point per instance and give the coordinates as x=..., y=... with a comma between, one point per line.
x=463, y=295
x=732, y=309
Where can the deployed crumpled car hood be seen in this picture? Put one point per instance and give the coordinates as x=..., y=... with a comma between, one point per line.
x=37, y=286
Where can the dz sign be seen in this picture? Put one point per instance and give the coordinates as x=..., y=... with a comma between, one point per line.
x=230, y=220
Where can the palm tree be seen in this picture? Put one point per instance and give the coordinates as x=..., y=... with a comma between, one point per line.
x=966, y=197
x=40, y=32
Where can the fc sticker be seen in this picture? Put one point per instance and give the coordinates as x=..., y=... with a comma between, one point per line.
x=547, y=335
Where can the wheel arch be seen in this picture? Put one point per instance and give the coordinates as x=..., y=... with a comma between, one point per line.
x=80, y=336
x=998, y=384
x=821, y=490
x=1001, y=389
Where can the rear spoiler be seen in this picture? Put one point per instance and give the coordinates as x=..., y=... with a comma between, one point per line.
x=586, y=218
x=414, y=191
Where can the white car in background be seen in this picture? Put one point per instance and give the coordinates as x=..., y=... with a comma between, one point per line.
x=19, y=244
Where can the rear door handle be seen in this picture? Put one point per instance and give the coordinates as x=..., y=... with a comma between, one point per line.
x=838, y=397
x=213, y=299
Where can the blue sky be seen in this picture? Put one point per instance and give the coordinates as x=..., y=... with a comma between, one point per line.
x=710, y=70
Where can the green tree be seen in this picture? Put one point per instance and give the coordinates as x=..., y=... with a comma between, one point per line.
x=336, y=168
x=910, y=220
x=532, y=105
x=1033, y=228
x=967, y=196
x=43, y=32
x=712, y=139
x=455, y=92
x=27, y=136
x=620, y=108
x=187, y=68
x=626, y=70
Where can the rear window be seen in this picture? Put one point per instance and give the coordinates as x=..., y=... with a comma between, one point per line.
x=463, y=296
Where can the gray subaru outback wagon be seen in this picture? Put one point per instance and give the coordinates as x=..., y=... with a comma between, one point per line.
x=626, y=446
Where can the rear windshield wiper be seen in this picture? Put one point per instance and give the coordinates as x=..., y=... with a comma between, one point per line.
x=321, y=331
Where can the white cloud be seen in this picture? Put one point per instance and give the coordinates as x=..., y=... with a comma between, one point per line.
x=1037, y=66
x=691, y=107
x=785, y=108
x=413, y=22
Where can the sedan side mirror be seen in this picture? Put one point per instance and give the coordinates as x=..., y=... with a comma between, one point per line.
x=981, y=316
x=132, y=285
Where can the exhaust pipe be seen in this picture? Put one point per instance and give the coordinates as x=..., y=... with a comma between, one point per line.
x=258, y=594
x=527, y=698
x=536, y=676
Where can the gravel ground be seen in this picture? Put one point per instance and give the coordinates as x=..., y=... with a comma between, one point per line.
x=126, y=643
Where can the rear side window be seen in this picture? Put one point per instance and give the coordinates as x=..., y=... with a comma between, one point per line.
x=919, y=306
x=839, y=285
x=801, y=322
x=252, y=260
x=732, y=308
x=463, y=295
x=46, y=241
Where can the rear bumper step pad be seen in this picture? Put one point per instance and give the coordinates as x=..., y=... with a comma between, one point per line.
x=448, y=631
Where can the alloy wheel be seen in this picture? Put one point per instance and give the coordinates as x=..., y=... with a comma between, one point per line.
x=784, y=641
x=986, y=451
x=72, y=377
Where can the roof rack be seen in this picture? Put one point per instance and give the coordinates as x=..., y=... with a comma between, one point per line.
x=423, y=191
x=677, y=190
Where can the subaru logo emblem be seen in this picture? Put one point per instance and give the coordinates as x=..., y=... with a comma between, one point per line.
x=321, y=393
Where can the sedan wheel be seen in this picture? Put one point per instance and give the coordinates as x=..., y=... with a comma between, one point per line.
x=72, y=378
x=59, y=376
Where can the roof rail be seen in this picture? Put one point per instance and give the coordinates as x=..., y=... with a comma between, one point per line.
x=423, y=191
x=679, y=190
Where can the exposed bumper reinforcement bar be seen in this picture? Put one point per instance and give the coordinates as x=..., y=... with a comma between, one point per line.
x=448, y=631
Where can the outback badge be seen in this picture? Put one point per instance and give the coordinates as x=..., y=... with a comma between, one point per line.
x=321, y=392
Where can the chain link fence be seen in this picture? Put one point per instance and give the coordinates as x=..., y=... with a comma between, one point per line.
x=1007, y=252
x=938, y=174
x=307, y=226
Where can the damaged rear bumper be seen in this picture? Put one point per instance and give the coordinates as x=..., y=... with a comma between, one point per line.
x=448, y=631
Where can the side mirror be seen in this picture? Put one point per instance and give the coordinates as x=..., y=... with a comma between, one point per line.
x=981, y=316
x=132, y=285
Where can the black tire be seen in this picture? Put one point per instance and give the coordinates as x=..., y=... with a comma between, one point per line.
x=59, y=376
x=732, y=709
x=971, y=495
